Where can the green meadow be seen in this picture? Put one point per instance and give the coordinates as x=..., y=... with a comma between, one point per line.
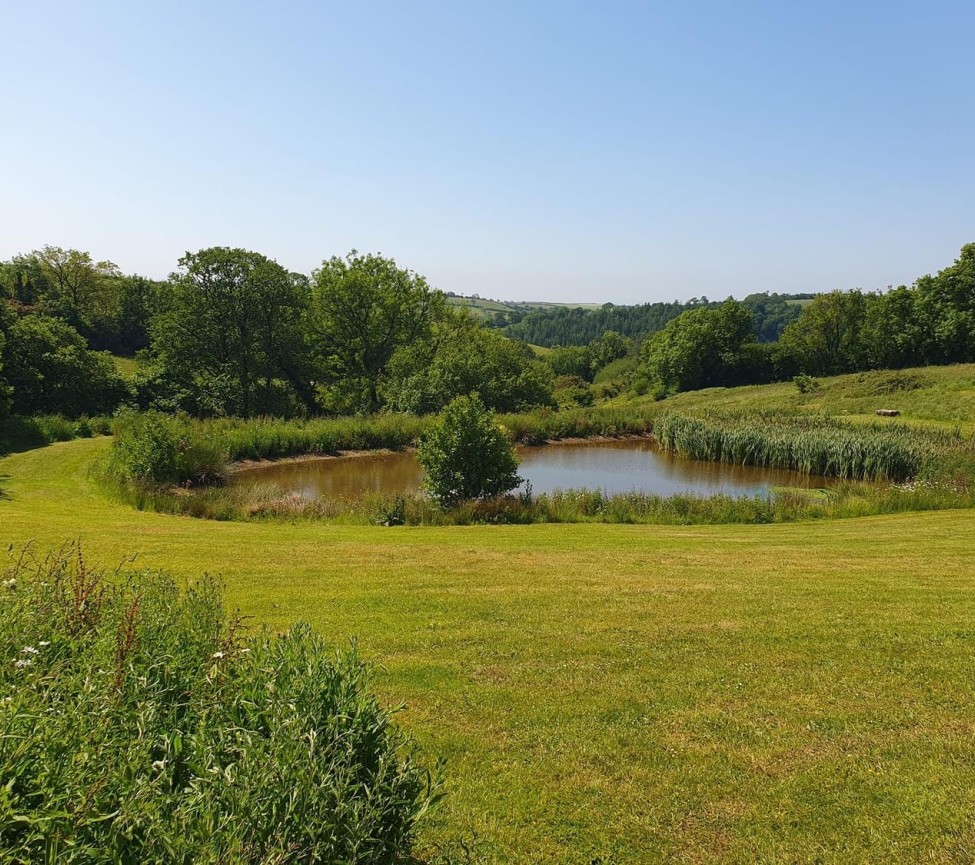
x=613, y=693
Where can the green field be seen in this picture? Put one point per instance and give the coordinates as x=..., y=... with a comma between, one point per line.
x=936, y=395
x=485, y=308
x=785, y=693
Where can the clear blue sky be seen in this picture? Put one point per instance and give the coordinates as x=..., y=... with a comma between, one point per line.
x=535, y=150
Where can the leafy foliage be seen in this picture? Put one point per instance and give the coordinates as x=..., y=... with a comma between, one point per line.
x=705, y=347
x=467, y=455
x=424, y=377
x=364, y=308
x=580, y=327
x=50, y=369
x=138, y=725
x=232, y=331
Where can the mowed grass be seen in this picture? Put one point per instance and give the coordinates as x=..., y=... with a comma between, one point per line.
x=784, y=693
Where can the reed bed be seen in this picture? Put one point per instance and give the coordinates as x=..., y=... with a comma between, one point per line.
x=814, y=445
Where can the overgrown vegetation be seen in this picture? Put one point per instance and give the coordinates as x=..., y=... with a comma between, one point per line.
x=139, y=724
x=20, y=433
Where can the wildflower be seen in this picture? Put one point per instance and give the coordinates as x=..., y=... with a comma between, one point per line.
x=44, y=643
x=10, y=584
x=23, y=662
x=159, y=765
x=217, y=655
x=30, y=650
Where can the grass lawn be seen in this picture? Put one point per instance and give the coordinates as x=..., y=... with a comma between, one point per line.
x=785, y=693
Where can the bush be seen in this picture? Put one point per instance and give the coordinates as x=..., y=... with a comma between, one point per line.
x=155, y=448
x=137, y=725
x=805, y=384
x=467, y=455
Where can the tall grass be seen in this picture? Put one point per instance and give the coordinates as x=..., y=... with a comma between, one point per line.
x=24, y=433
x=267, y=503
x=137, y=724
x=815, y=445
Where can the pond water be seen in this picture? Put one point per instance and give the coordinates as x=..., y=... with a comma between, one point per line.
x=613, y=466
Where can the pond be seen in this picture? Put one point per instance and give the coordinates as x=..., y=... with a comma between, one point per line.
x=612, y=466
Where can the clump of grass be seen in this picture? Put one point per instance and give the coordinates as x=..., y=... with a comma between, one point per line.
x=137, y=724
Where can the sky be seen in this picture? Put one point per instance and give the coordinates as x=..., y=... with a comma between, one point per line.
x=563, y=151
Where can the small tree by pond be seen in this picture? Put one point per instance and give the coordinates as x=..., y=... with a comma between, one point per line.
x=467, y=455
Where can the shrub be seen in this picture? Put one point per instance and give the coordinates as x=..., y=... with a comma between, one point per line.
x=138, y=725
x=805, y=383
x=467, y=455
x=155, y=448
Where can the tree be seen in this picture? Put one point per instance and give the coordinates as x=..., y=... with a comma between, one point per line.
x=701, y=348
x=6, y=319
x=233, y=332
x=827, y=338
x=77, y=287
x=51, y=370
x=464, y=358
x=608, y=347
x=572, y=360
x=364, y=308
x=467, y=455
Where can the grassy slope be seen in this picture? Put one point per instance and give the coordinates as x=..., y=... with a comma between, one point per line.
x=790, y=693
x=933, y=395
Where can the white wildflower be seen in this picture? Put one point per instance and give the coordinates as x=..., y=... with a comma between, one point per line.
x=10, y=584
x=44, y=643
x=217, y=655
x=159, y=765
x=23, y=662
x=30, y=650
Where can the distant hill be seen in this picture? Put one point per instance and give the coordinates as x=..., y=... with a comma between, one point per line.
x=579, y=324
x=487, y=308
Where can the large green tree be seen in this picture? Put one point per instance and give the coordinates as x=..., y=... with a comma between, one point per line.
x=464, y=358
x=232, y=334
x=50, y=370
x=827, y=339
x=365, y=308
x=701, y=348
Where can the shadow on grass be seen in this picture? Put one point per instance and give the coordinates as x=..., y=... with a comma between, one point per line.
x=4, y=495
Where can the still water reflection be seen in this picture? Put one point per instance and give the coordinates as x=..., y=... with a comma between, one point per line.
x=614, y=466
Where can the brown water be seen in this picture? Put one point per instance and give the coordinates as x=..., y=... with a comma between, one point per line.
x=614, y=467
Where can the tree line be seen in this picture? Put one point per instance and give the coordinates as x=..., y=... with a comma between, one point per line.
x=931, y=322
x=562, y=326
x=232, y=332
